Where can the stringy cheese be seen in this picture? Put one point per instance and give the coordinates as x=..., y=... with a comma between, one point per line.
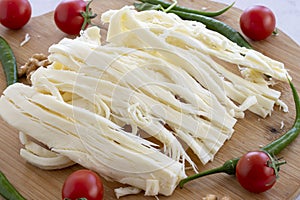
x=156, y=73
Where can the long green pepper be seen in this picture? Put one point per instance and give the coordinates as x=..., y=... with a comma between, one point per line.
x=209, y=22
x=278, y=145
x=8, y=62
x=274, y=148
x=166, y=5
x=9, y=66
x=7, y=190
x=215, y=25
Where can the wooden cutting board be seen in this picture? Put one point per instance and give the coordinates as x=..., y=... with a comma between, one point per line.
x=251, y=132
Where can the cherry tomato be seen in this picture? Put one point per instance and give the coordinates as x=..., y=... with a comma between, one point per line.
x=257, y=22
x=14, y=14
x=254, y=173
x=68, y=16
x=83, y=184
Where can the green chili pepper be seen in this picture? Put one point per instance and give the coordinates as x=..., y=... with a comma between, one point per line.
x=166, y=5
x=273, y=148
x=209, y=22
x=8, y=62
x=146, y=6
x=7, y=190
x=278, y=145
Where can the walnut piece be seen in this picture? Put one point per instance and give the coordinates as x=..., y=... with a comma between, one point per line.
x=36, y=61
x=215, y=197
x=210, y=197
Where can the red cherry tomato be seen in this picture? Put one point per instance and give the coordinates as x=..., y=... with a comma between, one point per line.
x=257, y=22
x=254, y=173
x=83, y=184
x=68, y=16
x=14, y=14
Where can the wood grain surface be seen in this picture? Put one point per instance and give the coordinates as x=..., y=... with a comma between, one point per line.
x=251, y=132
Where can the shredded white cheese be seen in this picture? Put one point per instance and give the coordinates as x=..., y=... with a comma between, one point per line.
x=26, y=40
x=23, y=138
x=282, y=125
x=124, y=191
x=157, y=74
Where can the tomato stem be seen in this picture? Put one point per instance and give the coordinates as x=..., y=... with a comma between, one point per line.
x=87, y=15
x=274, y=163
